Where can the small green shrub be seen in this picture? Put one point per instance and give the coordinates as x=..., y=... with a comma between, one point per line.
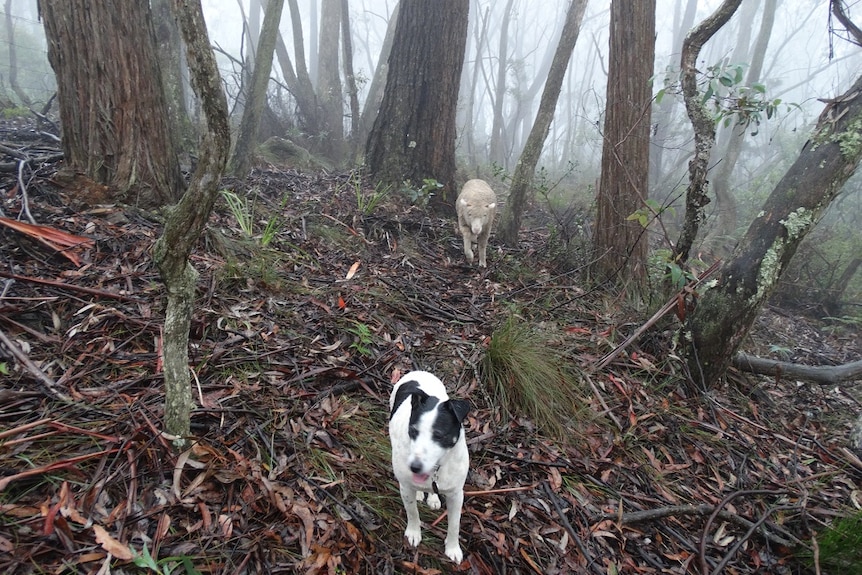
x=841, y=547
x=527, y=376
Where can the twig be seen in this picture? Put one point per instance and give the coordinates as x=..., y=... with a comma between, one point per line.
x=571, y=530
x=33, y=369
x=703, y=509
x=501, y=490
x=701, y=551
x=672, y=302
x=25, y=201
x=72, y=287
x=733, y=550
x=607, y=410
x=4, y=482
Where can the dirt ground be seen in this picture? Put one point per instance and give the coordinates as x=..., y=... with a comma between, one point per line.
x=294, y=348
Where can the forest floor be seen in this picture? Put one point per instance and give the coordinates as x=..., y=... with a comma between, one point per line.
x=294, y=348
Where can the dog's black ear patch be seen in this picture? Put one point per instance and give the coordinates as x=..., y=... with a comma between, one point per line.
x=407, y=389
x=461, y=407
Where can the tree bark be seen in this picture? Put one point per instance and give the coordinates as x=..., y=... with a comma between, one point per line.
x=112, y=106
x=349, y=76
x=169, y=48
x=329, y=81
x=253, y=111
x=413, y=136
x=13, y=58
x=525, y=169
x=375, y=90
x=620, y=243
x=704, y=127
x=725, y=313
x=822, y=374
x=497, y=153
x=185, y=221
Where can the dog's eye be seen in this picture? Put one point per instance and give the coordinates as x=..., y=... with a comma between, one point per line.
x=413, y=431
x=438, y=436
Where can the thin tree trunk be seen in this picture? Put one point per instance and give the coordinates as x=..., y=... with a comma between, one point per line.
x=170, y=48
x=185, y=221
x=836, y=291
x=664, y=112
x=299, y=81
x=620, y=242
x=13, y=57
x=349, y=77
x=250, y=123
x=522, y=179
x=497, y=136
x=375, y=90
x=329, y=80
x=704, y=127
x=725, y=313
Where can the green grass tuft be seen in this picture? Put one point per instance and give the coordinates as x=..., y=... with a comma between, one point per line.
x=841, y=547
x=527, y=376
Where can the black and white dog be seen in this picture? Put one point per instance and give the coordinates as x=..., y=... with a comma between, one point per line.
x=429, y=452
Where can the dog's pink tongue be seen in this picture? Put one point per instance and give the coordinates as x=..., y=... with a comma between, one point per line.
x=420, y=478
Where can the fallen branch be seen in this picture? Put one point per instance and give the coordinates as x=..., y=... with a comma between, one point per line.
x=822, y=374
x=71, y=287
x=671, y=304
x=34, y=369
x=5, y=481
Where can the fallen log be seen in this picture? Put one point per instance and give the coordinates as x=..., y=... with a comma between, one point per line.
x=822, y=374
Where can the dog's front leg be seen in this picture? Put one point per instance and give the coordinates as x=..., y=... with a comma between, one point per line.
x=454, y=501
x=408, y=496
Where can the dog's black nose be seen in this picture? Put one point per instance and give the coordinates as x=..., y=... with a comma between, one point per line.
x=415, y=467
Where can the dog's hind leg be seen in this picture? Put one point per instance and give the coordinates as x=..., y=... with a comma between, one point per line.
x=454, y=501
x=413, y=532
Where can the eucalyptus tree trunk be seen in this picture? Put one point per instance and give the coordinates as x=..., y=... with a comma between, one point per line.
x=413, y=137
x=299, y=81
x=375, y=89
x=186, y=220
x=497, y=133
x=169, y=47
x=329, y=80
x=620, y=243
x=349, y=76
x=696, y=197
x=112, y=106
x=253, y=111
x=522, y=179
x=13, y=58
x=725, y=313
